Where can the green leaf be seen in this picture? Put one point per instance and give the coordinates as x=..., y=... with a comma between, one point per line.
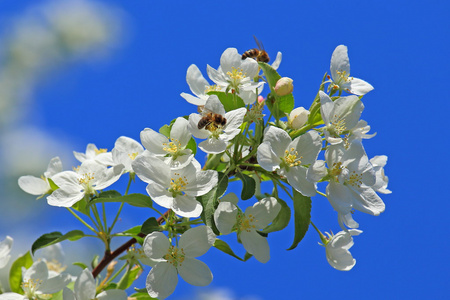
x=128, y=278
x=192, y=144
x=210, y=201
x=81, y=206
x=281, y=220
x=150, y=225
x=302, y=217
x=95, y=261
x=165, y=130
x=224, y=247
x=132, y=231
x=142, y=296
x=285, y=103
x=229, y=101
x=80, y=264
x=109, y=194
x=55, y=237
x=248, y=186
x=52, y=184
x=15, y=273
x=138, y=200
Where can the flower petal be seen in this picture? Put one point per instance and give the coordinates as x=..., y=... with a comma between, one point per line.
x=359, y=87
x=153, y=141
x=84, y=287
x=256, y=245
x=264, y=211
x=197, y=241
x=156, y=245
x=162, y=280
x=197, y=83
x=339, y=62
x=225, y=217
x=186, y=206
x=195, y=272
x=33, y=185
x=297, y=179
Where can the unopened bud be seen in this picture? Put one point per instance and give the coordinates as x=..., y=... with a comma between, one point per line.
x=298, y=117
x=284, y=86
x=260, y=99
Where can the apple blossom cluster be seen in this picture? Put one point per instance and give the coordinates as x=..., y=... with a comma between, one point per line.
x=247, y=137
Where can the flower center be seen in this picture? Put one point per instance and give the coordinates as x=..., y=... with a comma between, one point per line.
x=177, y=185
x=291, y=158
x=99, y=151
x=354, y=179
x=85, y=180
x=55, y=266
x=173, y=147
x=212, y=88
x=236, y=76
x=175, y=256
x=336, y=170
x=30, y=287
x=132, y=156
x=246, y=223
x=338, y=125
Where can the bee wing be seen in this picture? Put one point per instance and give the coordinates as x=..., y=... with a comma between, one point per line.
x=258, y=43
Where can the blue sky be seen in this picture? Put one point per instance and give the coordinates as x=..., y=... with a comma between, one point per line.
x=401, y=49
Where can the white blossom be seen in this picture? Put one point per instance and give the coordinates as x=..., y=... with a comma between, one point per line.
x=227, y=217
x=41, y=186
x=171, y=149
x=175, y=189
x=38, y=282
x=125, y=151
x=85, y=289
x=336, y=249
x=199, y=87
x=101, y=156
x=84, y=181
x=237, y=75
x=290, y=158
x=217, y=135
x=180, y=259
x=340, y=74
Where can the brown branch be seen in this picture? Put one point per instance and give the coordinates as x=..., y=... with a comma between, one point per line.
x=109, y=256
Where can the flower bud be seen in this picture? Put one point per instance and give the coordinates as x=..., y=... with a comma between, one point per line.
x=298, y=117
x=260, y=99
x=284, y=86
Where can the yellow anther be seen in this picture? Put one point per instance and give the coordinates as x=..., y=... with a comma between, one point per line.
x=132, y=156
x=336, y=169
x=86, y=178
x=212, y=88
x=339, y=125
x=246, y=223
x=99, y=151
x=291, y=158
x=236, y=74
x=355, y=179
x=173, y=147
x=178, y=184
x=175, y=256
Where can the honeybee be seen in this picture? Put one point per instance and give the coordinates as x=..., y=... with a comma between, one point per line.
x=257, y=53
x=211, y=121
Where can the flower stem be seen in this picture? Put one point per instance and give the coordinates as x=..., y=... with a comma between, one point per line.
x=81, y=220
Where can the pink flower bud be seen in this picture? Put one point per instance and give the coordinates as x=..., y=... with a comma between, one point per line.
x=284, y=86
x=260, y=99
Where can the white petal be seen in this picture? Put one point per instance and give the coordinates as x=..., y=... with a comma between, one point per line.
x=193, y=127
x=276, y=63
x=151, y=169
x=197, y=83
x=33, y=185
x=308, y=146
x=37, y=272
x=297, y=179
x=234, y=120
x=256, y=244
x=349, y=110
x=369, y=202
x=195, y=272
x=108, y=177
x=339, y=61
x=180, y=131
x=264, y=211
x=197, y=241
x=55, y=284
x=203, y=183
x=186, y=206
x=156, y=245
x=278, y=139
x=337, y=252
x=12, y=296
x=213, y=146
x=359, y=87
x=316, y=171
x=249, y=67
x=153, y=141
x=326, y=107
x=230, y=58
x=124, y=148
x=162, y=280
x=193, y=100
x=214, y=105
x=84, y=287
x=267, y=159
x=216, y=76
x=68, y=294
x=66, y=196
x=340, y=197
x=5, y=249
x=54, y=167
x=225, y=217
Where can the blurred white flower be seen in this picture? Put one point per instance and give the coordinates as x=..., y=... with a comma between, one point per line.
x=336, y=249
x=5, y=249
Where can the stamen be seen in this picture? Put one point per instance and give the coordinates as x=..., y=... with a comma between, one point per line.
x=99, y=151
x=175, y=256
x=173, y=147
x=132, y=156
x=246, y=223
x=290, y=157
x=355, y=179
x=212, y=88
